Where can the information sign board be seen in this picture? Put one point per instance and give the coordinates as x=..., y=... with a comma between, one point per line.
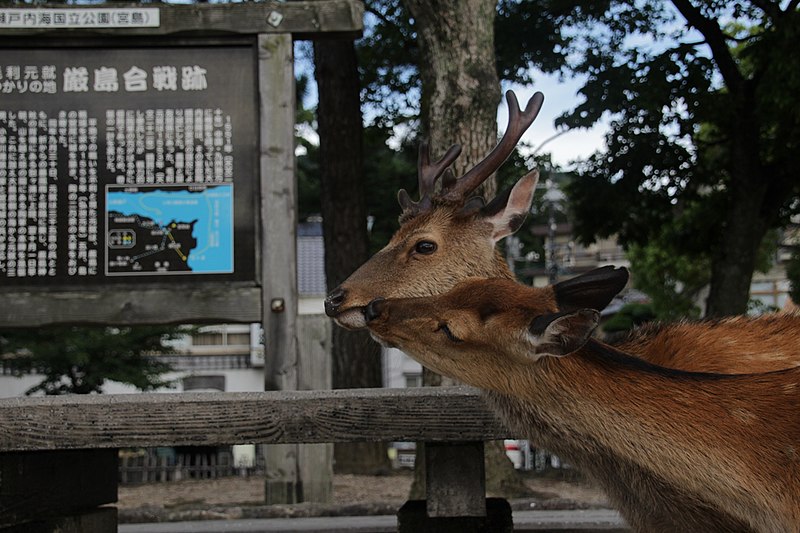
x=118, y=163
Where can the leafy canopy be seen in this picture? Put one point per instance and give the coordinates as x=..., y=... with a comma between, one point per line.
x=79, y=360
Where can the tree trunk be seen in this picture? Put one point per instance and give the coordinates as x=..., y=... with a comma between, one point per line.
x=734, y=263
x=460, y=94
x=460, y=88
x=747, y=219
x=356, y=358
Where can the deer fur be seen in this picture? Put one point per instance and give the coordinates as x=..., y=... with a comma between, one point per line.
x=675, y=451
x=735, y=345
x=464, y=233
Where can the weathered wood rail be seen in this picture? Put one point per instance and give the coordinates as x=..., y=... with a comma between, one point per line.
x=209, y=419
x=58, y=455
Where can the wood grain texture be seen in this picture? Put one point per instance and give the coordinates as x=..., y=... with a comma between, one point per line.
x=455, y=479
x=304, y=19
x=348, y=415
x=278, y=207
x=176, y=304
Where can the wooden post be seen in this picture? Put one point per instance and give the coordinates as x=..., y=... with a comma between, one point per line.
x=455, y=479
x=279, y=254
x=455, y=486
x=314, y=373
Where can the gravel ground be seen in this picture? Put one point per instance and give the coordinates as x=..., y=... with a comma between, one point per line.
x=347, y=489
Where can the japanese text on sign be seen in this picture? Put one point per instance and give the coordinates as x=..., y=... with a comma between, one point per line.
x=80, y=18
x=44, y=79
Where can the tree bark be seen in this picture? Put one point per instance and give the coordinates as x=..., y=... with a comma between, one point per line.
x=356, y=358
x=748, y=216
x=734, y=261
x=460, y=87
x=460, y=94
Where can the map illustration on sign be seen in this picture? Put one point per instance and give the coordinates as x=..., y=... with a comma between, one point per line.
x=170, y=229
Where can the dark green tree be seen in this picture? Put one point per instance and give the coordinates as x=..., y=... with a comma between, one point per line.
x=702, y=152
x=79, y=360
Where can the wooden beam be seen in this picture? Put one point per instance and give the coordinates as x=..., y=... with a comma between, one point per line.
x=129, y=305
x=307, y=19
x=211, y=419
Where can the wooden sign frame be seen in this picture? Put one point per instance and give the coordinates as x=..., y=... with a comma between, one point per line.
x=270, y=29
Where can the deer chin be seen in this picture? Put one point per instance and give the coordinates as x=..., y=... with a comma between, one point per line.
x=352, y=318
x=382, y=342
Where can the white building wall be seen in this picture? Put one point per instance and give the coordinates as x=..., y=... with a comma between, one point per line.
x=397, y=368
x=236, y=380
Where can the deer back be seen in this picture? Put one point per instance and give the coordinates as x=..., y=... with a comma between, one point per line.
x=720, y=450
x=737, y=345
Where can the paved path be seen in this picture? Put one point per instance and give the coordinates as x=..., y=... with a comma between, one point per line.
x=534, y=521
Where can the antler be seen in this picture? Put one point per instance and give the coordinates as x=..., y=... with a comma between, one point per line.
x=428, y=174
x=458, y=189
x=518, y=123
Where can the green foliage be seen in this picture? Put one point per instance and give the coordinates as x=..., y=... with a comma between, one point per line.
x=527, y=34
x=703, y=130
x=386, y=170
x=673, y=281
x=630, y=316
x=388, y=59
x=79, y=360
x=793, y=273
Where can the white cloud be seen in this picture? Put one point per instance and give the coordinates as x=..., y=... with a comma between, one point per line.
x=559, y=96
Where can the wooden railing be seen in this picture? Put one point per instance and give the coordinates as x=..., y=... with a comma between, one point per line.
x=58, y=455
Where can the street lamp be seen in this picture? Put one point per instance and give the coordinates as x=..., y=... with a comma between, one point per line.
x=553, y=201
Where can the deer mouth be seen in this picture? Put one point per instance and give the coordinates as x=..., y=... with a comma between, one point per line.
x=352, y=318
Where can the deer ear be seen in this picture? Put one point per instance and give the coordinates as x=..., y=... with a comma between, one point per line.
x=561, y=334
x=508, y=210
x=594, y=289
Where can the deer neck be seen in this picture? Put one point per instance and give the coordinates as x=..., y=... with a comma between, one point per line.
x=614, y=417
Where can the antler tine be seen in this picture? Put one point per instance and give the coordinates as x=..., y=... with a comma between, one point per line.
x=429, y=173
x=518, y=123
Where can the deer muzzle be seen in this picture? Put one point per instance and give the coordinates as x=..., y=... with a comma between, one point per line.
x=350, y=317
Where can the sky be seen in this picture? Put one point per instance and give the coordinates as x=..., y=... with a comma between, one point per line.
x=560, y=95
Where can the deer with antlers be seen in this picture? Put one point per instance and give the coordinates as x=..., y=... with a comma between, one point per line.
x=449, y=235
x=675, y=451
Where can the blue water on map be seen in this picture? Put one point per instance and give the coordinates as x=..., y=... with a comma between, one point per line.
x=212, y=208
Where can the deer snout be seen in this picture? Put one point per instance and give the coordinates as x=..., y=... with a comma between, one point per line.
x=374, y=309
x=334, y=301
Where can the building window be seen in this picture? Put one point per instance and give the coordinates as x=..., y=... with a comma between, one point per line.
x=208, y=339
x=413, y=380
x=239, y=339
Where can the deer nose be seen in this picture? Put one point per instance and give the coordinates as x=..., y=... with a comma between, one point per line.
x=373, y=309
x=334, y=300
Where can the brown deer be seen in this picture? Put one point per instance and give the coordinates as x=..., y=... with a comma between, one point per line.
x=675, y=451
x=735, y=345
x=450, y=235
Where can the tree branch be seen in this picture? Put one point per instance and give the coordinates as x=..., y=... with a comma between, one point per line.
x=772, y=9
x=716, y=41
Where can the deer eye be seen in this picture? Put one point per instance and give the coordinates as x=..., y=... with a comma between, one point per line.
x=425, y=247
x=446, y=330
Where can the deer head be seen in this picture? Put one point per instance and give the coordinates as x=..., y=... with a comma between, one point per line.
x=457, y=333
x=483, y=324
x=448, y=234
x=675, y=451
